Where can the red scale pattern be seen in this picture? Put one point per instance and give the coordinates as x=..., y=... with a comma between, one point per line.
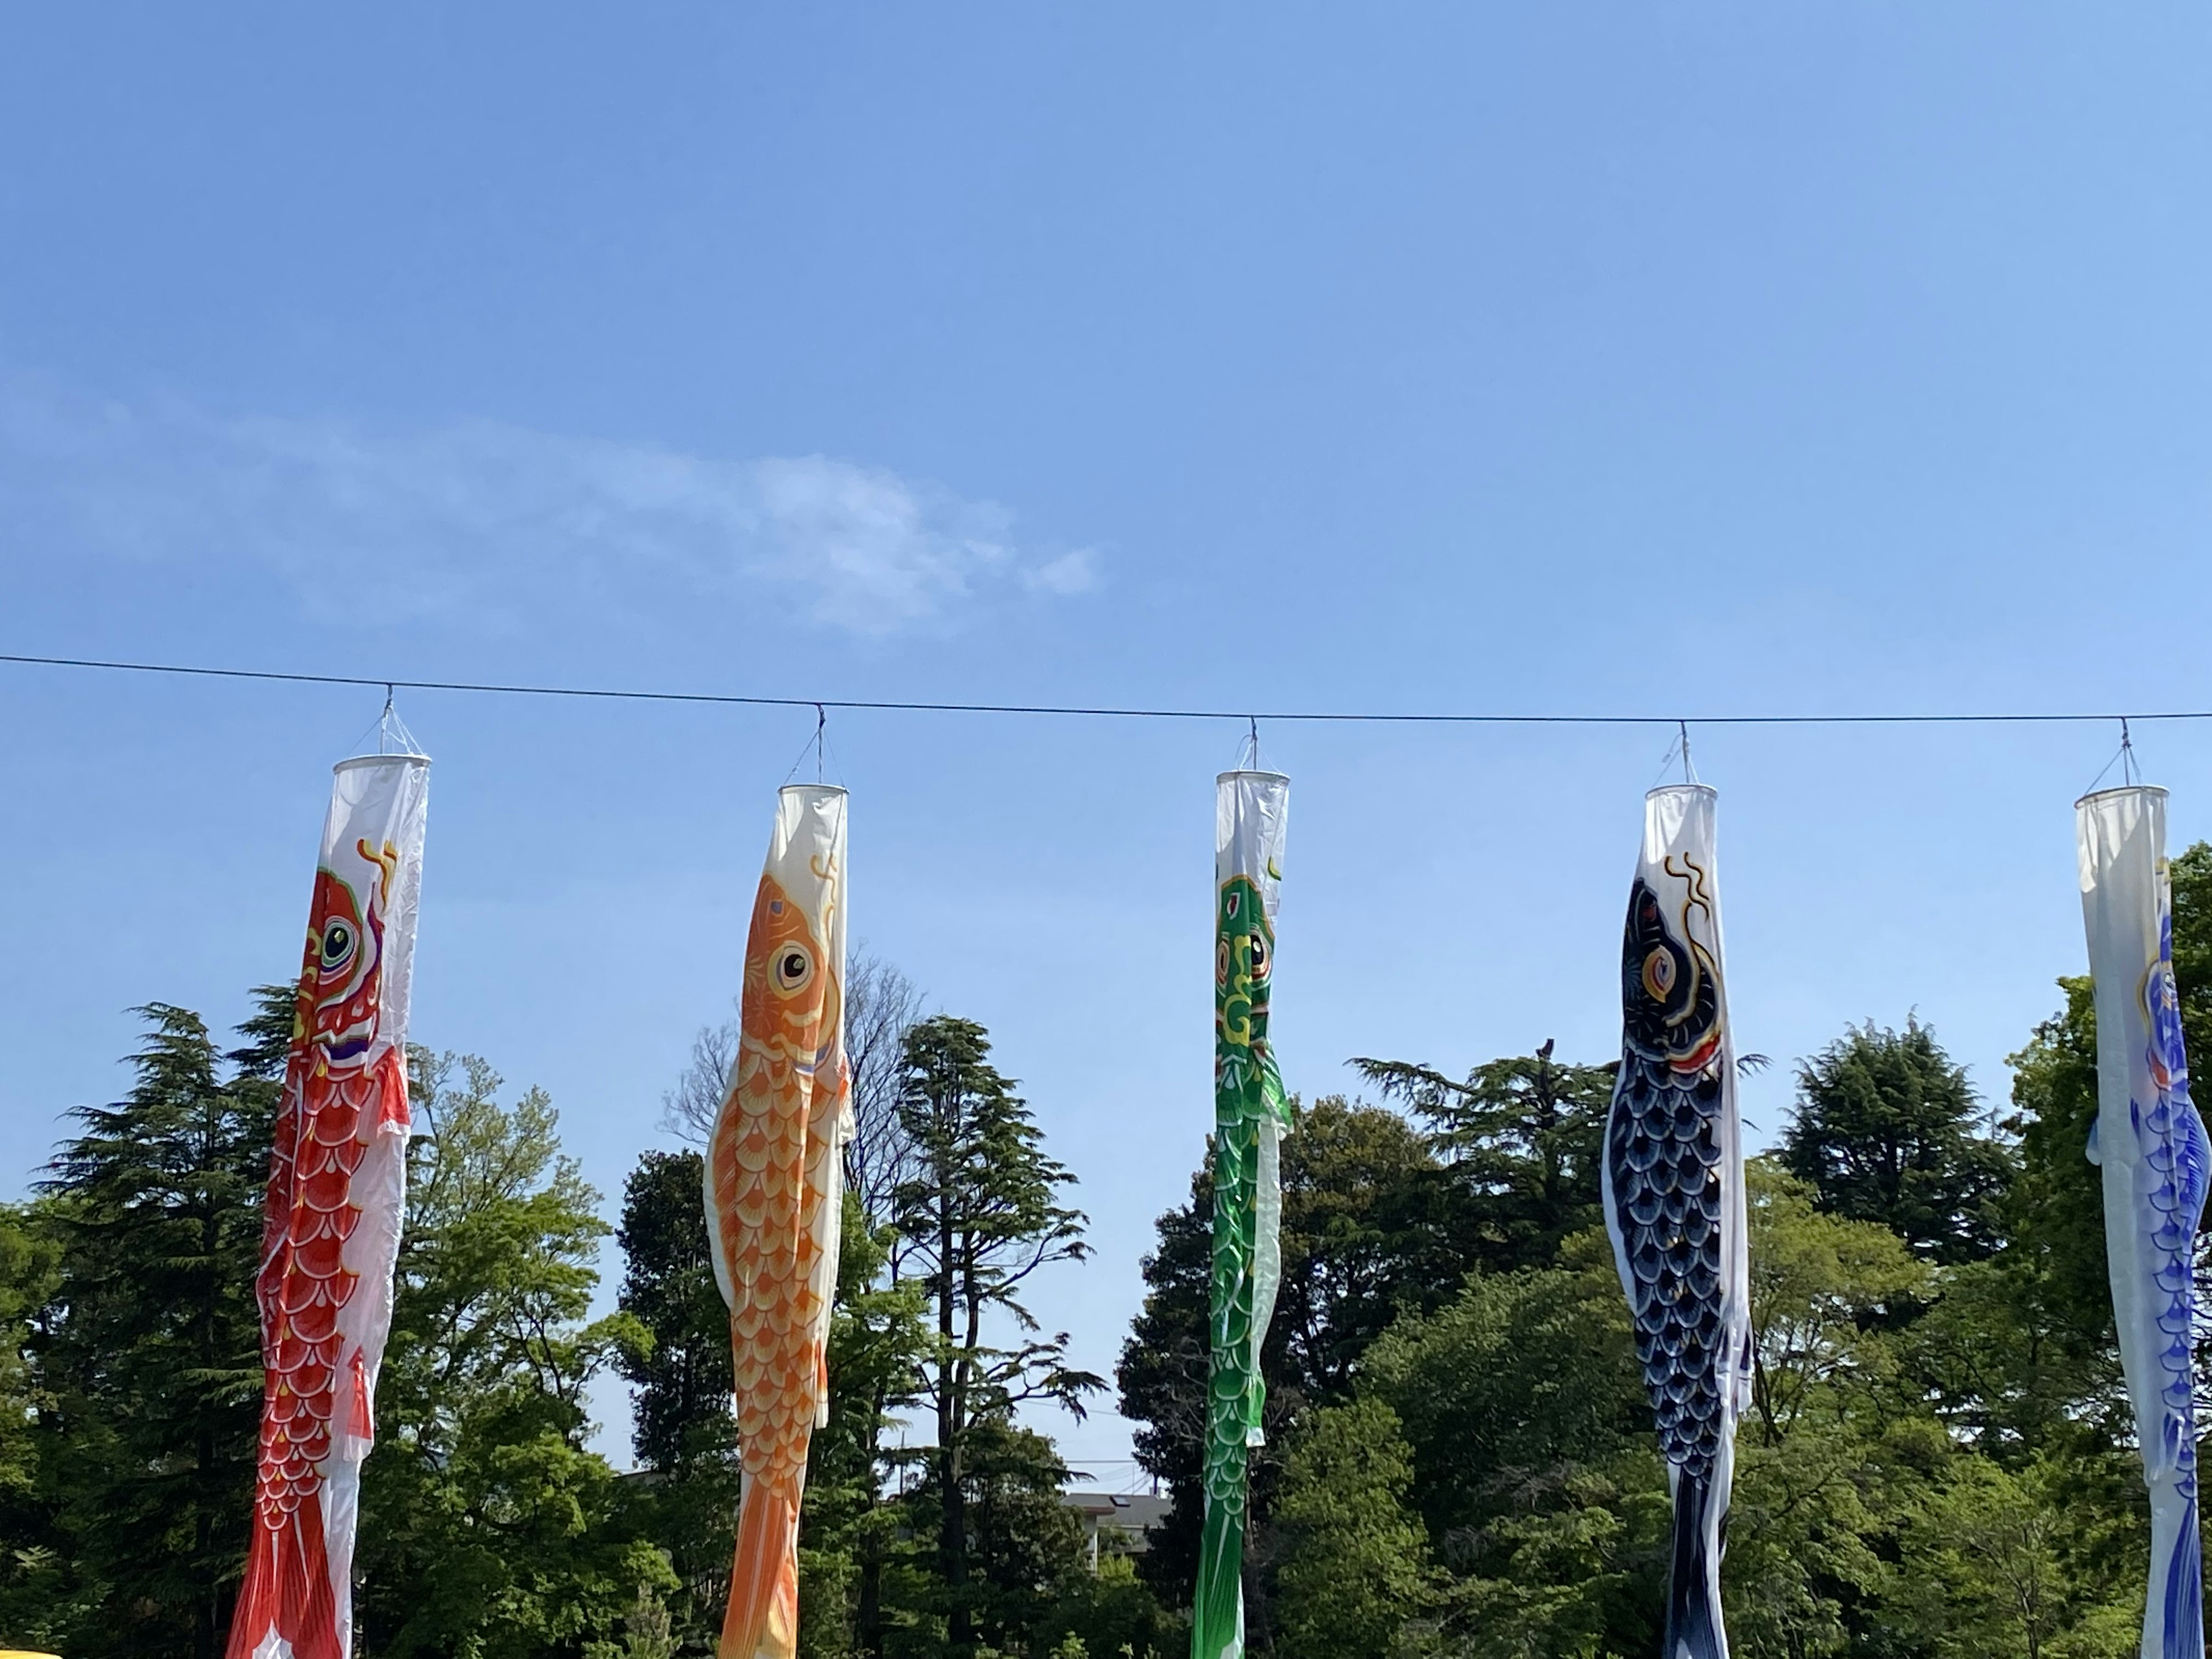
x=336, y=1097
x=304, y=1284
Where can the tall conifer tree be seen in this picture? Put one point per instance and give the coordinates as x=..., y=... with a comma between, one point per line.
x=152, y=1348
x=982, y=1214
x=1888, y=1130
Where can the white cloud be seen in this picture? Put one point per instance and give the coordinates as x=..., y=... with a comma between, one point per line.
x=499, y=521
x=1075, y=571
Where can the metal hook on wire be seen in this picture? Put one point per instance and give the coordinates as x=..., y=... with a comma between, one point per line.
x=1679, y=748
x=821, y=725
x=2124, y=757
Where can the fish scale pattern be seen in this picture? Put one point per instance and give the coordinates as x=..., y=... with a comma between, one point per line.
x=2171, y=1181
x=1229, y=1384
x=1663, y=1151
x=343, y=1085
x=1674, y=1198
x=304, y=1284
x=772, y=1179
x=1247, y=1091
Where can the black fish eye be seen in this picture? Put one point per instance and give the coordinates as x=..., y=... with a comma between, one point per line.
x=793, y=969
x=338, y=939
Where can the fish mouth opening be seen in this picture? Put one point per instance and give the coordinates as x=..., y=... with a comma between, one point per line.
x=350, y=1043
x=1700, y=1057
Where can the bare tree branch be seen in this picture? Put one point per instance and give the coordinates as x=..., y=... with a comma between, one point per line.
x=689, y=1107
x=880, y=1004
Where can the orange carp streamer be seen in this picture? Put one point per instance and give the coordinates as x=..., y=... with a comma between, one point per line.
x=774, y=1181
x=336, y=1187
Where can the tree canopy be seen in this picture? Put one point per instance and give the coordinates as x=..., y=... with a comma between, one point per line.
x=1887, y=1128
x=1459, y=1460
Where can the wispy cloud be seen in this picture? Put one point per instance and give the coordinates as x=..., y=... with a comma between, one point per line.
x=481, y=518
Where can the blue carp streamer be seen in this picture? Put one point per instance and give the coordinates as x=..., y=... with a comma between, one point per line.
x=2151, y=1144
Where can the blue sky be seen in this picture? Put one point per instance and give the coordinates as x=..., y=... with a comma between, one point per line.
x=1586, y=359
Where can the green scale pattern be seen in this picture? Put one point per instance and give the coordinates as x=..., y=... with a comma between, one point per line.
x=1248, y=1093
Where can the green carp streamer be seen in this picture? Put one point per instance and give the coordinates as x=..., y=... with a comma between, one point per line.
x=1249, y=1116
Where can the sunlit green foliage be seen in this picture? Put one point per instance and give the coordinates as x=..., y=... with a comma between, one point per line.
x=1934, y=1462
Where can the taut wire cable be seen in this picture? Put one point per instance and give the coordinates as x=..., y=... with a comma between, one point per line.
x=1100, y=712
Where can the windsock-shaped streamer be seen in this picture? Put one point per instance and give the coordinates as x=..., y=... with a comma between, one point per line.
x=774, y=1195
x=1673, y=1194
x=2150, y=1143
x=1249, y=1116
x=337, y=1184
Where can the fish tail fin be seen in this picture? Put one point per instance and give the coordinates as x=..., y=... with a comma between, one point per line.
x=287, y=1591
x=763, y=1622
x=1216, y=1628
x=1693, y=1603
x=2184, y=1590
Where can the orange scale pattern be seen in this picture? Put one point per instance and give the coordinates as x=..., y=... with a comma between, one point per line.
x=771, y=1177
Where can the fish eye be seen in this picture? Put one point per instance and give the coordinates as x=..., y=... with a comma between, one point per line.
x=337, y=944
x=1261, y=960
x=1659, y=972
x=794, y=967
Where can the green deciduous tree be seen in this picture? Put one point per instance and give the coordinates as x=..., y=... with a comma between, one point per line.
x=1365, y=1234
x=1355, y=1576
x=1836, y=1443
x=2004, y=1568
x=488, y=1527
x=1533, y=1472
